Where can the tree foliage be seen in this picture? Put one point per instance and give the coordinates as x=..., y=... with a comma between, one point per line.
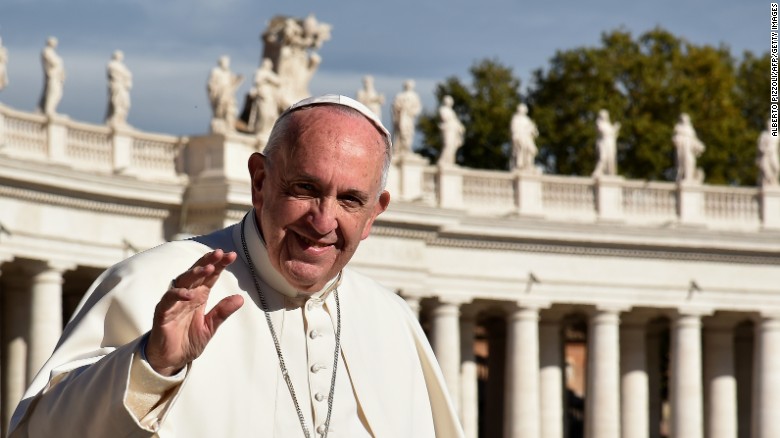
x=485, y=108
x=645, y=84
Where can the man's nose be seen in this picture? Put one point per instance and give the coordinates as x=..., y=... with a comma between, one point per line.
x=322, y=216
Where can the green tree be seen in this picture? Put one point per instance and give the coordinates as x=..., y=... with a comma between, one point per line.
x=645, y=84
x=485, y=108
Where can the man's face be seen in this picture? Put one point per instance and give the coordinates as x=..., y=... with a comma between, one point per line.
x=317, y=198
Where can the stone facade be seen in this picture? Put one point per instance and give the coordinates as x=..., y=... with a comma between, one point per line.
x=668, y=291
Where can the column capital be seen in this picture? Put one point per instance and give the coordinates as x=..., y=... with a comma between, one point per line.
x=538, y=305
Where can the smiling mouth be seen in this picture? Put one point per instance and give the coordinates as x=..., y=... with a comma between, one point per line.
x=312, y=243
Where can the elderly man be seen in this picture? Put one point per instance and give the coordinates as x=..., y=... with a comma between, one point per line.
x=308, y=347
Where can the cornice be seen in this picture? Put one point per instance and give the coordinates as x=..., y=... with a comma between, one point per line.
x=93, y=204
x=454, y=238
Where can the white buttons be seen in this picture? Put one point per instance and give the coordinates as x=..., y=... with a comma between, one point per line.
x=317, y=367
x=319, y=396
x=314, y=334
x=321, y=429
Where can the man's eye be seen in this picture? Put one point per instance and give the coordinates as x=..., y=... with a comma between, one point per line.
x=351, y=201
x=303, y=189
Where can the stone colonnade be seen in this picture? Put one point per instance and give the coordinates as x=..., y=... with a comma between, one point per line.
x=623, y=381
x=527, y=400
x=32, y=308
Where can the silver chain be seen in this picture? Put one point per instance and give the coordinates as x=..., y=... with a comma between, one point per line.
x=282, y=366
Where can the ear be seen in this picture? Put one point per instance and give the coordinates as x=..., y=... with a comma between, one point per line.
x=379, y=208
x=257, y=174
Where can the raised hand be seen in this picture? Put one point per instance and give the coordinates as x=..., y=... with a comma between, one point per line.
x=181, y=329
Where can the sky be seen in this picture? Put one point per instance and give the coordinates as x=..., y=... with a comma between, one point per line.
x=170, y=46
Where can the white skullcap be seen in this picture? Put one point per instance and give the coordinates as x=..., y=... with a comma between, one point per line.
x=337, y=99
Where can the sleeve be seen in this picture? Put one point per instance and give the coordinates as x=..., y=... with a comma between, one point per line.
x=117, y=395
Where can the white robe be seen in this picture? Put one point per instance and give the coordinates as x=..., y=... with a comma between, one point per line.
x=235, y=388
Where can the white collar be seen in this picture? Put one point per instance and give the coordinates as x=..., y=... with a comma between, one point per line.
x=259, y=254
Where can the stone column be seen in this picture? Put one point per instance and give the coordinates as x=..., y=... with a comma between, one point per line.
x=551, y=378
x=469, y=395
x=602, y=397
x=720, y=381
x=521, y=415
x=634, y=381
x=768, y=397
x=15, y=341
x=446, y=346
x=685, y=384
x=46, y=313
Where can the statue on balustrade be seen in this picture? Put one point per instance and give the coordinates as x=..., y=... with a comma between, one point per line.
x=452, y=131
x=120, y=81
x=768, y=161
x=221, y=88
x=406, y=108
x=606, y=145
x=53, y=77
x=369, y=97
x=3, y=65
x=291, y=44
x=524, y=133
x=689, y=148
x=265, y=95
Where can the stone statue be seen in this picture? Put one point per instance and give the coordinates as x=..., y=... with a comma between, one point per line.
x=221, y=88
x=524, y=133
x=689, y=147
x=54, y=78
x=120, y=81
x=606, y=145
x=291, y=45
x=406, y=108
x=265, y=95
x=452, y=131
x=369, y=97
x=768, y=161
x=3, y=65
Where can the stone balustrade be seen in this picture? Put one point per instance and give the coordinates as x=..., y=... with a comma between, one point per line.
x=88, y=147
x=585, y=199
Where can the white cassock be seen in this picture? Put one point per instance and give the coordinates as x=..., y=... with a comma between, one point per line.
x=96, y=384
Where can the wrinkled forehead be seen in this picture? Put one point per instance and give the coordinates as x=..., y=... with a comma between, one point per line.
x=331, y=123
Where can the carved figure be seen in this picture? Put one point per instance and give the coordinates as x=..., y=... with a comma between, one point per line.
x=768, y=161
x=689, y=147
x=222, y=87
x=369, y=97
x=53, y=78
x=291, y=45
x=120, y=81
x=606, y=145
x=265, y=95
x=406, y=108
x=524, y=133
x=452, y=131
x=3, y=65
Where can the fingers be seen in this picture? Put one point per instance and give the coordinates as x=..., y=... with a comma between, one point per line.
x=206, y=270
x=222, y=311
